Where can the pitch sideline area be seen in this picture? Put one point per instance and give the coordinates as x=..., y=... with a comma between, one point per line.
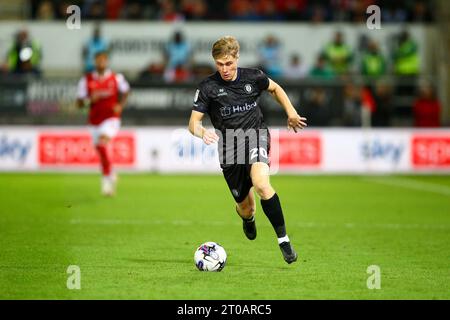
x=140, y=244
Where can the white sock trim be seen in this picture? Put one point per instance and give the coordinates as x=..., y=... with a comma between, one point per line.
x=250, y=219
x=283, y=239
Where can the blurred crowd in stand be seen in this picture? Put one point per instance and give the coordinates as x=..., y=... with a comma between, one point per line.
x=318, y=11
x=365, y=70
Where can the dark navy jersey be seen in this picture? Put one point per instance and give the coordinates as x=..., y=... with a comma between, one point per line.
x=233, y=104
x=233, y=107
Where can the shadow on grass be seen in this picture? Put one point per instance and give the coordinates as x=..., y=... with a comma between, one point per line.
x=242, y=267
x=147, y=261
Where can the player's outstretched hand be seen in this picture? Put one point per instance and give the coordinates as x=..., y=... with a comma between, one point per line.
x=209, y=136
x=296, y=122
x=118, y=109
x=94, y=97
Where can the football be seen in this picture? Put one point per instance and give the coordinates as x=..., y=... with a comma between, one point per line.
x=210, y=256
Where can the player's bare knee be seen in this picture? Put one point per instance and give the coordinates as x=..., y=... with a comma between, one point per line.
x=264, y=191
x=103, y=140
x=259, y=188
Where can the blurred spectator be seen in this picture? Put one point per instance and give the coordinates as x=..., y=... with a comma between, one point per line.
x=24, y=55
x=382, y=95
x=96, y=44
x=406, y=64
x=406, y=56
x=141, y=9
x=61, y=8
x=393, y=11
x=321, y=69
x=217, y=10
x=292, y=9
x=194, y=9
x=427, y=109
x=135, y=9
x=242, y=10
x=177, y=51
x=341, y=10
x=318, y=11
x=269, y=53
x=94, y=9
x=358, y=10
x=351, y=10
x=339, y=55
x=268, y=10
x=45, y=11
x=352, y=105
x=114, y=9
x=421, y=12
x=296, y=69
x=367, y=105
x=373, y=63
x=152, y=72
x=367, y=99
x=50, y=9
x=178, y=55
x=3, y=69
x=316, y=107
x=363, y=43
x=178, y=74
x=168, y=12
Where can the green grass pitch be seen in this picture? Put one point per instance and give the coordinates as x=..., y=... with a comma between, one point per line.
x=140, y=244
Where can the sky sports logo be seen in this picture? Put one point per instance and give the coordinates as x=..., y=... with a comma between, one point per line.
x=228, y=111
x=378, y=149
x=14, y=149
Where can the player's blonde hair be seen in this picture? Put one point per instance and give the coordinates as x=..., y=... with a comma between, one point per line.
x=225, y=46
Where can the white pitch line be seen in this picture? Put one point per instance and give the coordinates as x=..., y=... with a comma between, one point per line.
x=145, y=222
x=412, y=184
x=307, y=225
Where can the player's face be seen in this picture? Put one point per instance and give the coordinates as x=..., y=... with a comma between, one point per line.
x=227, y=67
x=101, y=62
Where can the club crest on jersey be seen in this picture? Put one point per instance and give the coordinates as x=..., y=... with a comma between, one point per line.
x=248, y=88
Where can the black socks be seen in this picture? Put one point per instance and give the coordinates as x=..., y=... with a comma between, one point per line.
x=273, y=211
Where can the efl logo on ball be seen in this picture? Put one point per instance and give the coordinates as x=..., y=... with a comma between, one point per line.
x=210, y=256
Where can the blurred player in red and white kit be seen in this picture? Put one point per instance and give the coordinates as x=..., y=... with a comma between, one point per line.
x=106, y=94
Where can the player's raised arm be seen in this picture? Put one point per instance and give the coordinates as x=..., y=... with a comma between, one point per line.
x=196, y=128
x=295, y=121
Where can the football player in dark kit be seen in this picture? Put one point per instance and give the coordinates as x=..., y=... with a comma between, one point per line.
x=230, y=98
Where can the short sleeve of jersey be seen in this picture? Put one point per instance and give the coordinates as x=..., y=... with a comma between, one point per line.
x=122, y=83
x=262, y=81
x=201, y=101
x=82, y=92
